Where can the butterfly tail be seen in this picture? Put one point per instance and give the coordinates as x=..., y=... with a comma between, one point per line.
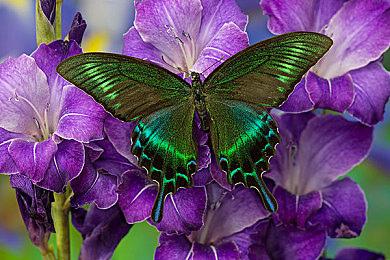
x=158, y=207
x=268, y=199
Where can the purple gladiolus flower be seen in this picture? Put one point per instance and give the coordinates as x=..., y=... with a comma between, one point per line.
x=186, y=35
x=349, y=77
x=35, y=207
x=228, y=224
x=313, y=153
x=43, y=119
x=105, y=162
x=102, y=230
x=358, y=253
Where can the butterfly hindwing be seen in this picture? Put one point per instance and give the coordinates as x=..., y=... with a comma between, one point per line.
x=127, y=87
x=265, y=73
x=164, y=145
x=244, y=138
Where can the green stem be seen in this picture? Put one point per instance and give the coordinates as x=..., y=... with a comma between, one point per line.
x=58, y=19
x=61, y=225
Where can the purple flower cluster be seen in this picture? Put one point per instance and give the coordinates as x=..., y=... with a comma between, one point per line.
x=53, y=136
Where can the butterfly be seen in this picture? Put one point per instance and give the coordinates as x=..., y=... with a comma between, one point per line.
x=230, y=105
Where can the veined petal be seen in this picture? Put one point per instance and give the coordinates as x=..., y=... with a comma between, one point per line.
x=80, y=118
x=299, y=15
x=343, y=213
x=164, y=23
x=24, y=95
x=65, y=166
x=173, y=247
x=134, y=45
x=328, y=148
x=88, y=187
x=32, y=158
x=215, y=14
x=335, y=94
x=7, y=165
x=360, y=31
x=299, y=100
x=227, y=41
x=224, y=251
x=372, y=88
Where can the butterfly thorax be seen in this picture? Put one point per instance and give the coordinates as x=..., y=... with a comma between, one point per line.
x=199, y=100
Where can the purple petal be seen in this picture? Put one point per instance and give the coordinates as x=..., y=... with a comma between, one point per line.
x=215, y=14
x=66, y=165
x=289, y=242
x=296, y=209
x=173, y=247
x=285, y=162
x=119, y=134
x=299, y=100
x=229, y=40
x=49, y=56
x=225, y=251
x=183, y=211
x=31, y=158
x=77, y=28
x=24, y=92
x=329, y=147
x=81, y=118
x=136, y=195
x=343, y=213
x=360, y=32
x=94, y=185
x=258, y=250
x=299, y=15
x=218, y=175
x=229, y=212
x=160, y=22
x=102, y=230
x=7, y=165
x=202, y=177
x=133, y=45
x=111, y=161
x=335, y=94
x=243, y=240
x=357, y=253
x=370, y=99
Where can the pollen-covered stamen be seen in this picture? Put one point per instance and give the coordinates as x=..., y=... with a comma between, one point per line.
x=40, y=122
x=187, y=48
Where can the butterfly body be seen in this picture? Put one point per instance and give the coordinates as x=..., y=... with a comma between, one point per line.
x=230, y=105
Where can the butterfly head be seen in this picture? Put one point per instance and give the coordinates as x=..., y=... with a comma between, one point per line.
x=195, y=76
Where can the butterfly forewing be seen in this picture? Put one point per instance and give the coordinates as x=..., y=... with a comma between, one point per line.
x=127, y=87
x=163, y=143
x=265, y=73
x=244, y=138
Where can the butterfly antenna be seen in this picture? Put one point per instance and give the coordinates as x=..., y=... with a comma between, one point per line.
x=213, y=64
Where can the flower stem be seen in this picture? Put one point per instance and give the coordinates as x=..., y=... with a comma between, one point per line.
x=61, y=225
x=58, y=19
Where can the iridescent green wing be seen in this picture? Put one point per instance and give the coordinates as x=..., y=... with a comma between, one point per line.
x=265, y=73
x=164, y=145
x=127, y=87
x=244, y=138
x=130, y=88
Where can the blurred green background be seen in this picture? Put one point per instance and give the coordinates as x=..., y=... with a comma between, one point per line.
x=107, y=21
